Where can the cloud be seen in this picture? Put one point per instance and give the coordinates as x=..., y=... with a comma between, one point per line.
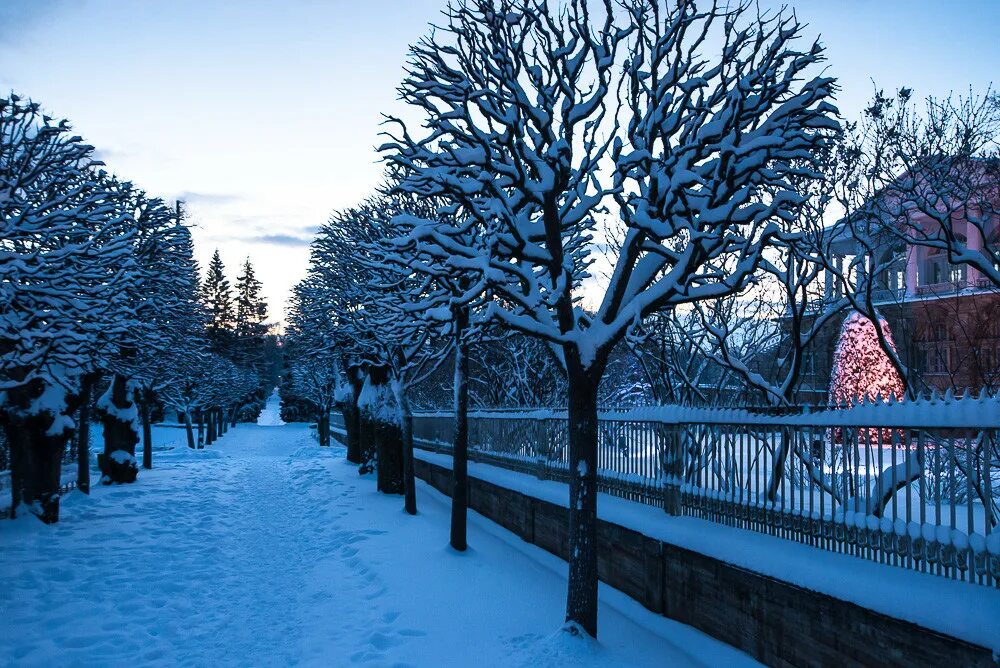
x=208, y=199
x=111, y=154
x=278, y=240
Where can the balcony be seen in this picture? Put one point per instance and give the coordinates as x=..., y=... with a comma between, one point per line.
x=888, y=295
x=948, y=287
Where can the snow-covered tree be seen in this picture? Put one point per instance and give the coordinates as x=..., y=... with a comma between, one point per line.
x=250, y=323
x=332, y=297
x=314, y=368
x=706, y=167
x=930, y=174
x=130, y=352
x=411, y=306
x=64, y=240
x=171, y=306
x=183, y=387
x=217, y=296
x=431, y=303
x=916, y=180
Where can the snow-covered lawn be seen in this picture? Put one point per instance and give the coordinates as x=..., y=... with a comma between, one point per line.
x=267, y=550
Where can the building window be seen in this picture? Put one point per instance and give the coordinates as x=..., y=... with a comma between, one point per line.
x=808, y=364
x=934, y=267
x=938, y=360
x=941, y=332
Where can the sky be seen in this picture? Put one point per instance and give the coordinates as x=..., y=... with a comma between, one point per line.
x=264, y=116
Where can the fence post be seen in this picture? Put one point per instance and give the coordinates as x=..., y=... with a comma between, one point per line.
x=543, y=449
x=672, y=466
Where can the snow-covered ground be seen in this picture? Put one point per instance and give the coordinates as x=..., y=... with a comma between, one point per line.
x=271, y=415
x=265, y=549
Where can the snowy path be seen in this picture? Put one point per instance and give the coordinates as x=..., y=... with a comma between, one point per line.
x=271, y=415
x=267, y=550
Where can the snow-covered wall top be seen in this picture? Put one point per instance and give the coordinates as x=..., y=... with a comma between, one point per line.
x=936, y=411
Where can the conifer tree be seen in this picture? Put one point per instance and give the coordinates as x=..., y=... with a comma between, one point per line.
x=251, y=312
x=861, y=369
x=217, y=296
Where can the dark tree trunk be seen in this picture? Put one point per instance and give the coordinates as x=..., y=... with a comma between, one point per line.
x=409, y=478
x=189, y=429
x=323, y=428
x=83, y=433
x=460, y=452
x=581, y=599
x=119, y=436
x=352, y=418
x=36, y=458
x=146, y=408
x=41, y=460
x=210, y=427
x=201, y=428
x=386, y=437
x=16, y=471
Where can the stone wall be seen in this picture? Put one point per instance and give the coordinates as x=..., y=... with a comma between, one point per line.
x=775, y=622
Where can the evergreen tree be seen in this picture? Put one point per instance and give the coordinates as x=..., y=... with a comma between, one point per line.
x=251, y=312
x=217, y=296
x=861, y=369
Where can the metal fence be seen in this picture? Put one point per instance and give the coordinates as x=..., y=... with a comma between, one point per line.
x=914, y=485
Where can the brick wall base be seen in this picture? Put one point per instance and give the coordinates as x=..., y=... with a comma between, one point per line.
x=777, y=623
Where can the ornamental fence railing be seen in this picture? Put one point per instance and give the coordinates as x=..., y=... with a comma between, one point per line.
x=911, y=484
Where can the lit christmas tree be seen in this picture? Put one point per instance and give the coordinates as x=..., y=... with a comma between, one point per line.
x=861, y=369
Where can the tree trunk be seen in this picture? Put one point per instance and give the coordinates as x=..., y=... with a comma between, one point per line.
x=409, y=479
x=147, y=429
x=83, y=433
x=201, y=428
x=323, y=428
x=778, y=464
x=368, y=438
x=384, y=435
x=119, y=435
x=460, y=451
x=16, y=467
x=36, y=459
x=581, y=600
x=188, y=428
x=352, y=419
x=210, y=427
x=388, y=440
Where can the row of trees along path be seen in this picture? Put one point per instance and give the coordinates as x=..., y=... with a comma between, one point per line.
x=102, y=310
x=653, y=176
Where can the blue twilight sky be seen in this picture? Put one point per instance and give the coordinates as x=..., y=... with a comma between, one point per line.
x=263, y=115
